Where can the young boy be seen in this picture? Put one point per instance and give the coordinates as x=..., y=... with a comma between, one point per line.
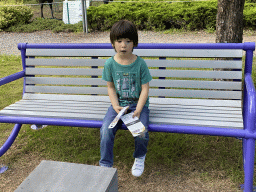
x=127, y=77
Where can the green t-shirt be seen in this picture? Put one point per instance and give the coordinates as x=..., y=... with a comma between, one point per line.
x=127, y=79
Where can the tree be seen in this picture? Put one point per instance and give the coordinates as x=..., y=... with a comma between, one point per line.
x=229, y=22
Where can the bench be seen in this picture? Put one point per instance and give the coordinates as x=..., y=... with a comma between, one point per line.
x=196, y=89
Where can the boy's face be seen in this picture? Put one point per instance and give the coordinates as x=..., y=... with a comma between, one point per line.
x=123, y=46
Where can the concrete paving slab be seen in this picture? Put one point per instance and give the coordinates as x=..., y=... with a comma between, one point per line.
x=55, y=176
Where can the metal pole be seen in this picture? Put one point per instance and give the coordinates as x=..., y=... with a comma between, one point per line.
x=84, y=12
x=86, y=21
x=67, y=11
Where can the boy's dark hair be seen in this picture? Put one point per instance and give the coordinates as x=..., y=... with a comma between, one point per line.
x=124, y=29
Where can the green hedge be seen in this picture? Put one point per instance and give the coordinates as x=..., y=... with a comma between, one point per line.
x=161, y=16
x=147, y=16
x=150, y=16
x=250, y=15
x=13, y=15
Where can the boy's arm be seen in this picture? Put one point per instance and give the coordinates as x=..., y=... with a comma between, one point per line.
x=113, y=97
x=142, y=99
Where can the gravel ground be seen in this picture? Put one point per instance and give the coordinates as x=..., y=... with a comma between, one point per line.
x=9, y=41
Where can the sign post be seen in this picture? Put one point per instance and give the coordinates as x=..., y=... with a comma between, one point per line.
x=84, y=12
x=76, y=11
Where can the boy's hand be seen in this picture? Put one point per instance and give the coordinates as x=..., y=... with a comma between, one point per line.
x=117, y=108
x=136, y=113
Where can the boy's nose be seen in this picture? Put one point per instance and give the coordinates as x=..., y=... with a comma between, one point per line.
x=124, y=44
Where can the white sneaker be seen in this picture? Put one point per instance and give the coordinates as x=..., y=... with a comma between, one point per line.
x=138, y=166
x=36, y=127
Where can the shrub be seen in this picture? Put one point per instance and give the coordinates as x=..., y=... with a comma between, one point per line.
x=200, y=16
x=151, y=16
x=250, y=16
x=250, y=1
x=14, y=15
x=78, y=27
x=146, y=16
x=161, y=16
x=40, y=24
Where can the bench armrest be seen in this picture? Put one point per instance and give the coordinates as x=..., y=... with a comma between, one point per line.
x=11, y=78
x=249, y=104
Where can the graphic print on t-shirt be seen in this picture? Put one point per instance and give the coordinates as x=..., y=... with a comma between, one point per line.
x=126, y=84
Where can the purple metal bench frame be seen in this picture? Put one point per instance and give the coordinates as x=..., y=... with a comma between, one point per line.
x=248, y=133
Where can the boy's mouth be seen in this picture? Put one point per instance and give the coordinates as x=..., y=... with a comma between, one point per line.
x=123, y=51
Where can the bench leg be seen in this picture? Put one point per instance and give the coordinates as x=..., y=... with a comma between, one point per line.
x=8, y=143
x=248, y=157
x=10, y=139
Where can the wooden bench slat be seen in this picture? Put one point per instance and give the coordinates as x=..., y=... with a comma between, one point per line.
x=153, y=72
x=63, y=71
x=158, y=107
x=194, y=115
x=197, y=117
x=196, y=93
x=64, y=102
x=65, y=89
x=27, y=113
x=196, y=74
x=59, y=109
x=178, y=110
x=154, y=83
x=196, y=84
x=152, y=92
x=141, y=52
x=102, y=111
x=195, y=102
x=202, y=111
x=153, y=101
x=100, y=116
x=215, y=112
x=59, y=105
x=65, y=81
x=70, y=52
x=197, y=109
x=218, y=124
x=65, y=62
x=59, y=97
x=234, y=64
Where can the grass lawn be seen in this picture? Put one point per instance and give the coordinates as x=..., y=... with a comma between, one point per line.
x=174, y=161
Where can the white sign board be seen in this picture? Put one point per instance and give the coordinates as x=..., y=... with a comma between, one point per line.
x=72, y=11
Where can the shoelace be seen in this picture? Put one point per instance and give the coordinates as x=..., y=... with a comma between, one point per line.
x=138, y=163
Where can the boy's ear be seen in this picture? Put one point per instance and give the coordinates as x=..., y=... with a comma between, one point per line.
x=113, y=46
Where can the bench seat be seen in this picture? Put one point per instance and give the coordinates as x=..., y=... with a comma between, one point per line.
x=189, y=112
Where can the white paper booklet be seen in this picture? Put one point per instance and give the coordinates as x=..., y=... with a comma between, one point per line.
x=133, y=124
x=114, y=122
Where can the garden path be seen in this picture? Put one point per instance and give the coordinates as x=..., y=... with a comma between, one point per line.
x=9, y=41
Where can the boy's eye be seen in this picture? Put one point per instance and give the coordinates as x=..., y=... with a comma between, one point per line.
x=128, y=41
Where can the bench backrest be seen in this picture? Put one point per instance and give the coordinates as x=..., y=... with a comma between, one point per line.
x=178, y=70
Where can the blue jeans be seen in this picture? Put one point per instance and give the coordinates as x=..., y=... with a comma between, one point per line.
x=107, y=136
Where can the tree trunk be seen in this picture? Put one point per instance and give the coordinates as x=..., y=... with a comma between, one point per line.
x=229, y=22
